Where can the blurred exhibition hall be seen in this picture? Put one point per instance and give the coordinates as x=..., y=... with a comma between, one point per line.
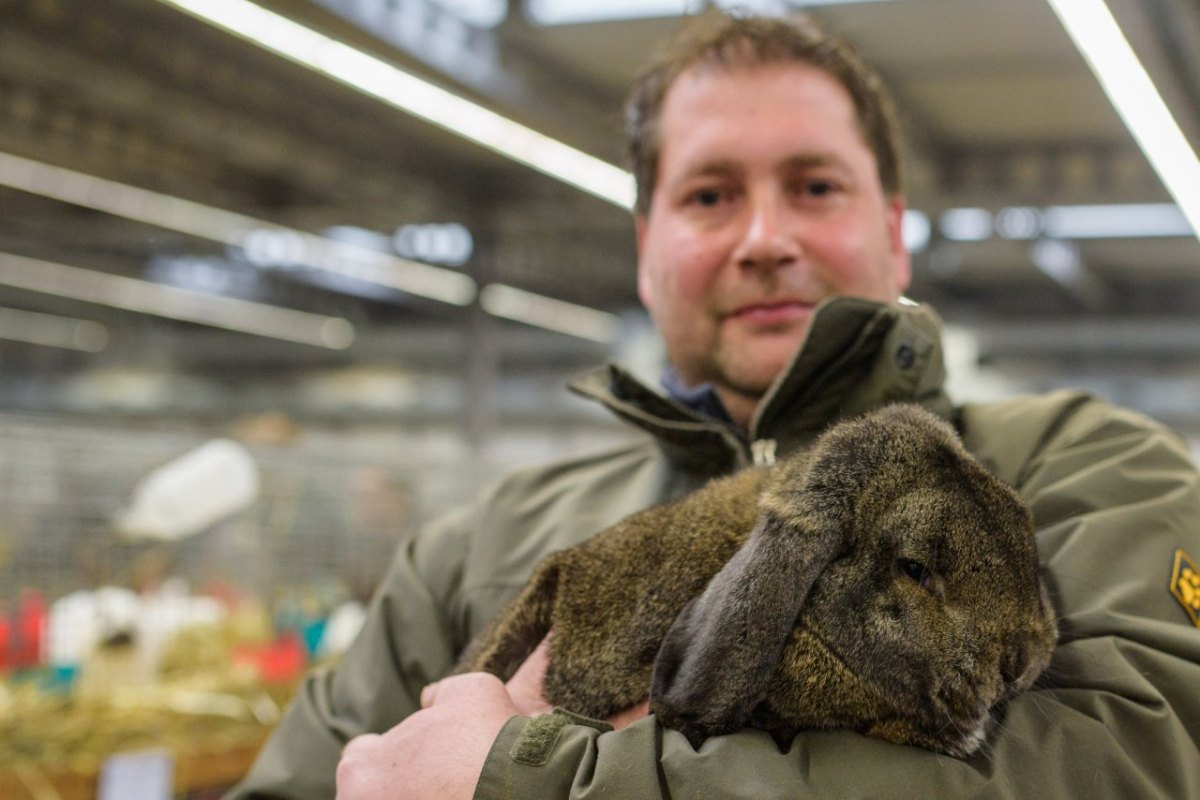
x=283, y=280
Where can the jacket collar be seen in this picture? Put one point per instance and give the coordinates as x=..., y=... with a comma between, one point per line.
x=859, y=355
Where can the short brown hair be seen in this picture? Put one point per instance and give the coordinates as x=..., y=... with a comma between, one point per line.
x=727, y=40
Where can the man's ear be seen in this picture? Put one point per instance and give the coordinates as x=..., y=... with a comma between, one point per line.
x=645, y=293
x=901, y=263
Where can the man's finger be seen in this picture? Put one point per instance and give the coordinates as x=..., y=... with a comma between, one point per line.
x=526, y=685
x=623, y=719
x=469, y=684
x=428, y=694
x=533, y=670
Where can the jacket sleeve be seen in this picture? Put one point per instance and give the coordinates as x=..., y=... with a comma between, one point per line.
x=407, y=641
x=1117, y=715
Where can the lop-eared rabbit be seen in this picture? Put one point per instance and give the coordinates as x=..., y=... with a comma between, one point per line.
x=881, y=581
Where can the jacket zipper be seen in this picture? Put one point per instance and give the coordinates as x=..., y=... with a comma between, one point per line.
x=763, y=452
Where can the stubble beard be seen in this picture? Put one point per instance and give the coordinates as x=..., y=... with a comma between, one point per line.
x=740, y=384
x=750, y=374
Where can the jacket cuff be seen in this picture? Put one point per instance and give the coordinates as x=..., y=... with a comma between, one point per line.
x=520, y=754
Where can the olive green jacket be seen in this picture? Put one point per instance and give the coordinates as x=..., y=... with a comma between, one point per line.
x=1114, y=498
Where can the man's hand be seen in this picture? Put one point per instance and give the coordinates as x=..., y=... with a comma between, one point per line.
x=438, y=752
x=435, y=754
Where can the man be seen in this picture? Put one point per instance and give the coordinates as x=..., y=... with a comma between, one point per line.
x=770, y=257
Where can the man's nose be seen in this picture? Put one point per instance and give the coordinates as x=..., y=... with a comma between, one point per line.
x=769, y=239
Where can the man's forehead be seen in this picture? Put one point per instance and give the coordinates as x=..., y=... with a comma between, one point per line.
x=792, y=112
x=715, y=94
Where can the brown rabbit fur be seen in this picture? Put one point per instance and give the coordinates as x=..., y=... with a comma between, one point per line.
x=881, y=581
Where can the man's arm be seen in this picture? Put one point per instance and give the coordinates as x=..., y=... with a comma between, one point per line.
x=405, y=644
x=1117, y=715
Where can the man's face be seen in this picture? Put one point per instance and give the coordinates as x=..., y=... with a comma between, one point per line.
x=767, y=202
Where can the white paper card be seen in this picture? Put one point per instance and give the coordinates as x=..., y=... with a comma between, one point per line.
x=143, y=775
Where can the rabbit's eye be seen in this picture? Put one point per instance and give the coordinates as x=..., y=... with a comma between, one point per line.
x=916, y=571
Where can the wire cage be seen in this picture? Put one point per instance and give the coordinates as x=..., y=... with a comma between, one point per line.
x=252, y=598
x=321, y=517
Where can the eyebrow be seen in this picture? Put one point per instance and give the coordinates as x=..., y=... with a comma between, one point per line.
x=810, y=160
x=724, y=166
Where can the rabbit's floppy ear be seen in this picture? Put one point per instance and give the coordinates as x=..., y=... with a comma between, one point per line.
x=717, y=659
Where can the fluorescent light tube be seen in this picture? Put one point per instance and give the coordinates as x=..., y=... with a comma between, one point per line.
x=227, y=227
x=343, y=258
x=232, y=314
x=546, y=312
x=574, y=12
x=415, y=96
x=966, y=224
x=51, y=330
x=1100, y=221
x=915, y=230
x=1096, y=33
x=1114, y=221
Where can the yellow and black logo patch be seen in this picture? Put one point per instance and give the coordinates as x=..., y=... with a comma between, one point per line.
x=1185, y=585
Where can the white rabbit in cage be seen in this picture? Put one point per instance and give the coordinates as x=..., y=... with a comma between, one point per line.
x=191, y=493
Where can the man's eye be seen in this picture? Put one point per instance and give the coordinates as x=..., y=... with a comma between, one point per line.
x=819, y=188
x=707, y=197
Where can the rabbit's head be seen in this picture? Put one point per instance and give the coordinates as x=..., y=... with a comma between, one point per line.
x=901, y=555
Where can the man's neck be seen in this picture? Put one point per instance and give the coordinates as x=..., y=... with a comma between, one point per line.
x=713, y=400
x=741, y=407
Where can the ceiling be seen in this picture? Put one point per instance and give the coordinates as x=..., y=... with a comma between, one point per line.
x=999, y=108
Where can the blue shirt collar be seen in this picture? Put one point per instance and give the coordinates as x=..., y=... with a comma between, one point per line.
x=702, y=398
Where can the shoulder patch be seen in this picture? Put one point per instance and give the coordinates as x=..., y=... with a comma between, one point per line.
x=1185, y=585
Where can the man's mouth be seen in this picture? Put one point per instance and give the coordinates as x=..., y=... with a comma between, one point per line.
x=773, y=313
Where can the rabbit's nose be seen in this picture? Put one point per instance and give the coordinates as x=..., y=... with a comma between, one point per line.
x=1021, y=666
x=1014, y=665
